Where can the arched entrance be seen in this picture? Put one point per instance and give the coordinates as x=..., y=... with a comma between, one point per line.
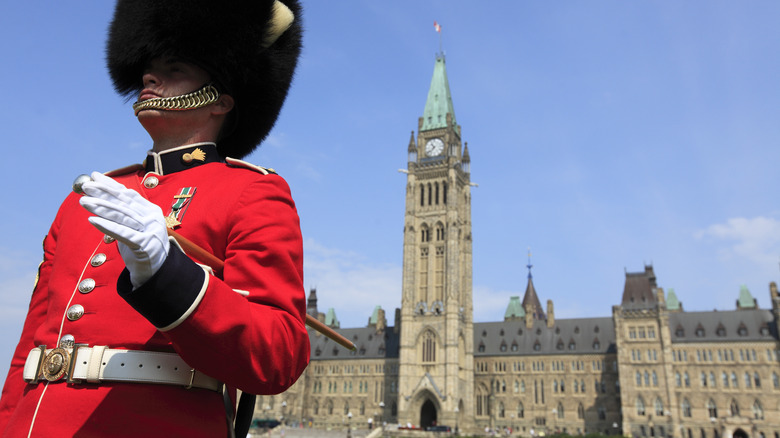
x=739, y=433
x=428, y=415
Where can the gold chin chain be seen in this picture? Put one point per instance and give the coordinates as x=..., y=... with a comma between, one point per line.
x=197, y=99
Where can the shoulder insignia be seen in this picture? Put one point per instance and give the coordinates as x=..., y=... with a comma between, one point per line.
x=125, y=170
x=240, y=163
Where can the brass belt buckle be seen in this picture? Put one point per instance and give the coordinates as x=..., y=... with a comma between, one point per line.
x=55, y=364
x=59, y=362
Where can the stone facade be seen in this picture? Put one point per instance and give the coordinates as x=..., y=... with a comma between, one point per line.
x=649, y=369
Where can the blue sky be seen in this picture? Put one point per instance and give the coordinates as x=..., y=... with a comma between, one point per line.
x=604, y=135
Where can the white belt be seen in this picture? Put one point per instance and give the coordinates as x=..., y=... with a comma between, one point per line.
x=99, y=363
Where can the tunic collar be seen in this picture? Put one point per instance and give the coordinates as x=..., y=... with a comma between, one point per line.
x=181, y=158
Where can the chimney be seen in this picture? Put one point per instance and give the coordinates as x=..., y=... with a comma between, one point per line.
x=550, y=314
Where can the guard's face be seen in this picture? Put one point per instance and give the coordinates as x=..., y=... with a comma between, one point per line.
x=167, y=77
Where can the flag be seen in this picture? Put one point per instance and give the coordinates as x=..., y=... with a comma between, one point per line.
x=437, y=27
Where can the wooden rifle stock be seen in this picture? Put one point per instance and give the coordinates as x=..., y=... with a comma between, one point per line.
x=217, y=265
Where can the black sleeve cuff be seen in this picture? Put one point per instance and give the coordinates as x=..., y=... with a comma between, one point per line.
x=169, y=294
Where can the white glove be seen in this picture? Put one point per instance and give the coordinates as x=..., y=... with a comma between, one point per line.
x=137, y=224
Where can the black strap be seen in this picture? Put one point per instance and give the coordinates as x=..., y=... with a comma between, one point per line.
x=228, y=412
x=246, y=408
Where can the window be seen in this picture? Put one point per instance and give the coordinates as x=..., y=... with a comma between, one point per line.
x=687, y=380
x=712, y=409
x=640, y=406
x=655, y=379
x=560, y=410
x=758, y=411
x=725, y=379
x=429, y=347
x=659, y=407
x=713, y=381
x=734, y=381
x=520, y=410
x=686, y=408
x=703, y=379
x=757, y=380
x=678, y=379
x=602, y=413
x=776, y=380
x=580, y=412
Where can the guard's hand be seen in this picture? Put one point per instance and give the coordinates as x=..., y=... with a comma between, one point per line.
x=137, y=224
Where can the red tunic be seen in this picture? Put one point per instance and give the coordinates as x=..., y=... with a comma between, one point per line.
x=245, y=329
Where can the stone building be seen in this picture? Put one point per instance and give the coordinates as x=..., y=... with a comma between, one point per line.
x=650, y=369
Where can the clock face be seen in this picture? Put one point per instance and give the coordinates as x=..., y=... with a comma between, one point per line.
x=434, y=147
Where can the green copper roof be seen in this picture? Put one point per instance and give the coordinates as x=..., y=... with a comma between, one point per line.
x=514, y=309
x=745, y=301
x=672, y=303
x=331, y=320
x=374, y=315
x=439, y=101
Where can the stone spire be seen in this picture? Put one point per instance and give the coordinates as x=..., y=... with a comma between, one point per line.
x=530, y=297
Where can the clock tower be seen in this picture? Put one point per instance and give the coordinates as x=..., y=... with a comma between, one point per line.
x=436, y=363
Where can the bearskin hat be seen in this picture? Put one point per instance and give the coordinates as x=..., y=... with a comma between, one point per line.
x=231, y=39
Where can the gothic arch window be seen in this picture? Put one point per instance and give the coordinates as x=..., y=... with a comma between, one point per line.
x=713, y=380
x=659, y=407
x=725, y=379
x=655, y=379
x=572, y=345
x=362, y=408
x=520, y=410
x=560, y=410
x=748, y=382
x=580, y=412
x=503, y=346
x=439, y=232
x=712, y=408
x=687, y=379
x=638, y=378
x=720, y=330
x=430, y=193
x=429, y=347
x=425, y=233
x=436, y=188
x=537, y=346
x=514, y=346
x=444, y=193
x=757, y=380
x=758, y=411
x=559, y=345
x=501, y=412
x=734, y=381
x=346, y=408
x=640, y=406
x=776, y=380
x=481, y=347
x=316, y=408
x=678, y=379
x=679, y=332
x=329, y=407
x=699, y=331
x=422, y=195
x=596, y=344
x=686, y=408
x=742, y=329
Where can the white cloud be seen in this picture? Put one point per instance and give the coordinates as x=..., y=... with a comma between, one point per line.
x=350, y=284
x=756, y=239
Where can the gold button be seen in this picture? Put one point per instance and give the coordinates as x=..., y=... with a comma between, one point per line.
x=86, y=285
x=75, y=312
x=151, y=182
x=186, y=158
x=98, y=259
x=108, y=239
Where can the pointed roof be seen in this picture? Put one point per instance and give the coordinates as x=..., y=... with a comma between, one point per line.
x=672, y=302
x=746, y=300
x=530, y=297
x=638, y=292
x=514, y=309
x=439, y=101
x=331, y=320
x=374, y=315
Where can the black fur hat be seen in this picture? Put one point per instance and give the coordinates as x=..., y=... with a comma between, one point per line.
x=231, y=39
